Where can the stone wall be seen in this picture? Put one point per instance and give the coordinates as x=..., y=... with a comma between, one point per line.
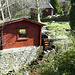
x=17, y=58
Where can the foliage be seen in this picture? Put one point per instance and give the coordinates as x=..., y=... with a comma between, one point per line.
x=54, y=26
x=39, y=54
x=72, y=15
x=64, y=7
x=55, y=5
x=63, y=64
x=59, y=18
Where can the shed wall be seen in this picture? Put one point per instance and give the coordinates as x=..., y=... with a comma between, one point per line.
x=49, y=12
x=44, y=12
x=0, y=40
x=10, y=35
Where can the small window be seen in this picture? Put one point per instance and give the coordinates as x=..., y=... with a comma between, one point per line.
x=46, y=10
x=22, y=33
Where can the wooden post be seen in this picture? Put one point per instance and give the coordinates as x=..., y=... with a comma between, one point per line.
x=40, y=35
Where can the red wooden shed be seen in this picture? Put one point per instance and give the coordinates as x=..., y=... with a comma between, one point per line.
x=20, y=33
x=46, y=9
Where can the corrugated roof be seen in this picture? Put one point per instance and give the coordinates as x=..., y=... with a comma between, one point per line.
x=45, y=5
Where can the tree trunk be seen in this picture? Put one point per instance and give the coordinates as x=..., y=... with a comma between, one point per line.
x=2, y=11
x=8, y=9
x=38, y=10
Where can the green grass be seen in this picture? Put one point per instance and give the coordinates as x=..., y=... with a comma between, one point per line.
x=57, y=29
x=54, y=26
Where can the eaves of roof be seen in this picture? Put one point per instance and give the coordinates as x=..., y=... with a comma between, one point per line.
x=22, y=19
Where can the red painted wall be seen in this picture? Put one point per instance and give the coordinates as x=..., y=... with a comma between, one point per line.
x=44, y=12
x=0, y=41
x=49, y=12
x=10, y=35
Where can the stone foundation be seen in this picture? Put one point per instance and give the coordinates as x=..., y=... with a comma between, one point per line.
x=17, y=58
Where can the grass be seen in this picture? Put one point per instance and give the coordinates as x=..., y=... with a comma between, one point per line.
x=54, y=26
x=56, y=29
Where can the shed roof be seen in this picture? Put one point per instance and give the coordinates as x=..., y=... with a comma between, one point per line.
x=45, y=5
x=21, y=19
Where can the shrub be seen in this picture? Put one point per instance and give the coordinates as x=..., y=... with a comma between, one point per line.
x=63, y=64
x=59, y=18
x=72, y=15
x=55, y=5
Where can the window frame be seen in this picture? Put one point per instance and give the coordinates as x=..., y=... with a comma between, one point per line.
x=18, y=34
